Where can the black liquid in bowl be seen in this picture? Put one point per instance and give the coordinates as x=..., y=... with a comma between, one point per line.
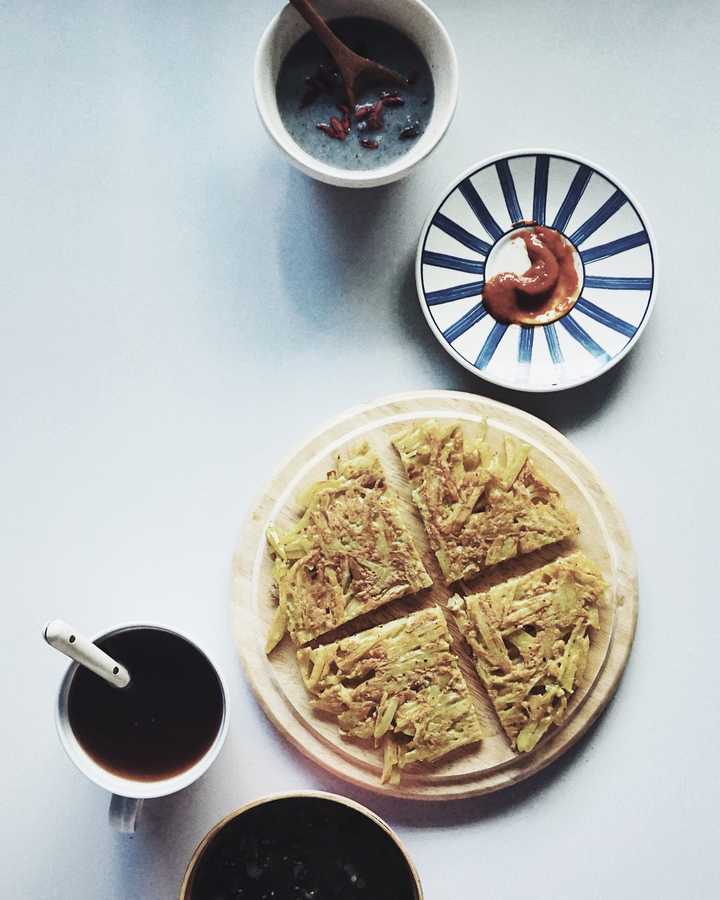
x=302, y=848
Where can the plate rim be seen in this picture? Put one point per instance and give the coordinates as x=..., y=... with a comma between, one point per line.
x=508, y=155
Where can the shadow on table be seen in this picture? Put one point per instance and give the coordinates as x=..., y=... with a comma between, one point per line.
x=152, y=862
x=337, y=264
x=326, y=231
x=563, y=409
x=448, y=813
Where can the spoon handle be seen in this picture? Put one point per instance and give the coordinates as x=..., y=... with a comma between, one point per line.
x=321, y=28
x=66, y=639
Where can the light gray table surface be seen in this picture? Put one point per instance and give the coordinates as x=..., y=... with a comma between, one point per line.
x=180, y=308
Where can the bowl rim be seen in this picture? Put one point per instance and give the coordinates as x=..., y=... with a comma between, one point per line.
x=286, y=795
x=511, y=154
x=359, y=178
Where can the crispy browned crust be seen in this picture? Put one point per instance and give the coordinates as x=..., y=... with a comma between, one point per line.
x=478, y=507
x=399, y=684
x=530, y=640
x=348, y=554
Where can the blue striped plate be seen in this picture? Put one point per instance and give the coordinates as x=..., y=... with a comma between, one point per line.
x=600, y=219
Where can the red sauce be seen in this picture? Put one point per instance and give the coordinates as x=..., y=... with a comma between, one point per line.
x=545, y=292
x=369, y=117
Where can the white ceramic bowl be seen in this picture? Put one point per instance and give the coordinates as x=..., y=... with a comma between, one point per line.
x=414, y=19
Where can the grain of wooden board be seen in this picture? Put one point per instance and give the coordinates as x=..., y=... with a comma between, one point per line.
x=491, y=764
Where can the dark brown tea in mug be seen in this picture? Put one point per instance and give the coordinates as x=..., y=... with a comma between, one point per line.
x=163, y=722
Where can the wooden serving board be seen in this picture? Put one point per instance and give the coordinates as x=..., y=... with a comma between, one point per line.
x=491, y=764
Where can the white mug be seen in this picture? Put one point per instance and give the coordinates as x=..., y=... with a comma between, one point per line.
x=129, y=794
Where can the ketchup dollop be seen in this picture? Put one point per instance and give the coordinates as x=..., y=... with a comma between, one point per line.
x=545, y=292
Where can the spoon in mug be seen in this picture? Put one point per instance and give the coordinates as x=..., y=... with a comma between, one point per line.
x=354, y=69
x=66, y=639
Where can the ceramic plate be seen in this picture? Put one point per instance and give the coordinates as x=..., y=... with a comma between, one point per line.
x=614, y=250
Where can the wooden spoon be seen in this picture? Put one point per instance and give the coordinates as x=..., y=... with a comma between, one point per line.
x=354, y=69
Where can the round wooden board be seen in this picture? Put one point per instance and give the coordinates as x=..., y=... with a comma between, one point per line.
x=491, y=764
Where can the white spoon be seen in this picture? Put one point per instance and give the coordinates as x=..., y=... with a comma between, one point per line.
x=65, y=639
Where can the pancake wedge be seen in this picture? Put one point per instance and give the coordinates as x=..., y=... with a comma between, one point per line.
x=348, y=553
x=398, y=684
x=479, y=507
x=530, y=641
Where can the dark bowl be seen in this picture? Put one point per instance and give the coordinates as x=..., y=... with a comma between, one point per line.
x=302, y=845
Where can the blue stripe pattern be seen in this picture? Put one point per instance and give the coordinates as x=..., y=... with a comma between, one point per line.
x=460, y=234
x=576, y=343
x=490, y=345
x=553, y=343
x=618, y=284
x=508, y=188
x=582, y=337
x=525, y=345
x=605, y=318
x=614, y=247
x=445, y=261
x=542, y=164
x=609, y=208
x=472, y=198
x=458, y=292
x=472, y=316
x=572, y=198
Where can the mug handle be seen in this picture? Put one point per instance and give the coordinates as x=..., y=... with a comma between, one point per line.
x=124, y=813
